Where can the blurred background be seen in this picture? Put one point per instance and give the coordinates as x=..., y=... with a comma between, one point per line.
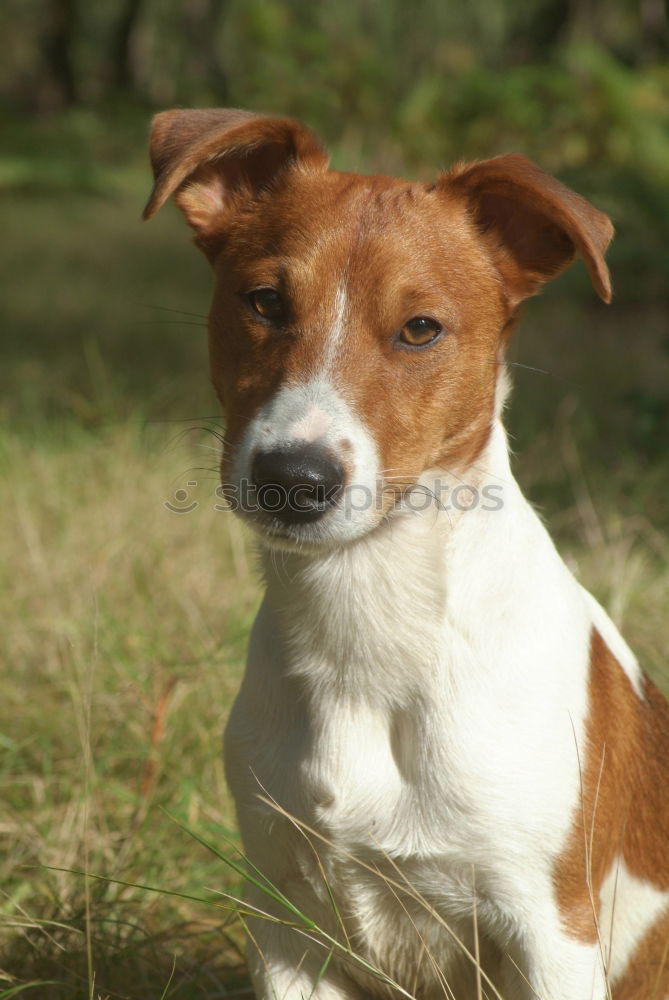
x=582, y=87
x=126, y=619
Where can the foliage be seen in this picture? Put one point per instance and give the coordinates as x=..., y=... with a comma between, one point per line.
x=581, y=88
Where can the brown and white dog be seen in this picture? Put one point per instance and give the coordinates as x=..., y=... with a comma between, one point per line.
x=428, y=688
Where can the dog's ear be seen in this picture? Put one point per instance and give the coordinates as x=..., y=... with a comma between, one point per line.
x=533, y=223
x=209, y=157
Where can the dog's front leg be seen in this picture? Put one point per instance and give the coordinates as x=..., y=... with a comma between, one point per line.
x=285, y=964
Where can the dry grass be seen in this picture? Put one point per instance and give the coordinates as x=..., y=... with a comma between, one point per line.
x=124, y=632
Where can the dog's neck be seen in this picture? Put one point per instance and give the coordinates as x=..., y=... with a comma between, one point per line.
x=386, y=599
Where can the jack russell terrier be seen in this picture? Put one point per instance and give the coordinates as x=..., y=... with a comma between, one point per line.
x=443, y=753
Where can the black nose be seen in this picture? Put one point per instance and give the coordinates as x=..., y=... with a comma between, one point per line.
x=296, y=484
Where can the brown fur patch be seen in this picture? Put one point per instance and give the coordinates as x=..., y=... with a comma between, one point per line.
x=462, y=252
x=624, y=811
x=398, y=251
x=534, y=223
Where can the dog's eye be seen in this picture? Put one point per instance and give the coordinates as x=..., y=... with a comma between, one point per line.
x=420, y=331
x=267, y=302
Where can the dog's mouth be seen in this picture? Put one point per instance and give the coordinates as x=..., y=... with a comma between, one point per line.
x=301, y=505
x=306, y=515
x=312, y=516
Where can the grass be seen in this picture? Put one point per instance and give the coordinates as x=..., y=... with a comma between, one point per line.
x=125, y=623
x=125, y=633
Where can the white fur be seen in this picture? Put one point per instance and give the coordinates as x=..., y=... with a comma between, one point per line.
x=419, y=696
x=630, y=906
x=338, y=328
x=303, y=413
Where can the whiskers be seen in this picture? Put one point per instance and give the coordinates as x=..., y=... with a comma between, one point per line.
x=201, y=323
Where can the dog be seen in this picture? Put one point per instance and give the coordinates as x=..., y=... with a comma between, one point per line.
x=443, y=754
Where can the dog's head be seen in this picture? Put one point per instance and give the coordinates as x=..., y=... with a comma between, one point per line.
x=358, y=323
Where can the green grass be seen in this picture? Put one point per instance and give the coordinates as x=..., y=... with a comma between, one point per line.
x=124, y=623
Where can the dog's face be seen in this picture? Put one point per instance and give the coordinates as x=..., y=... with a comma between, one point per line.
x=358, y=323
x=357, y=337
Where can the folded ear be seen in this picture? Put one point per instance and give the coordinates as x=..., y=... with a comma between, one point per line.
x=534, y=224
x=207, y=157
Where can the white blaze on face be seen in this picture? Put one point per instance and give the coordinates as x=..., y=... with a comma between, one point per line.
x=314, y=412
x=337, y=330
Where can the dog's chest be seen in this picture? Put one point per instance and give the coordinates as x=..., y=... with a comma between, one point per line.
x=351, y=781
x=419, y=740
x=372, y=778
x=395, y=831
